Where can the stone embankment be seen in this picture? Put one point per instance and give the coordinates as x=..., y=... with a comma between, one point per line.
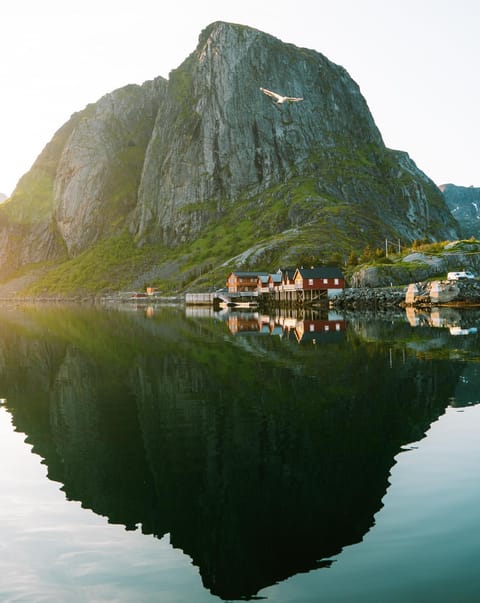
x=430, y=293
x=369, y=298
x=452, y=293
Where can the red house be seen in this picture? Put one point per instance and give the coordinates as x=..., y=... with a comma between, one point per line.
x=323, y=281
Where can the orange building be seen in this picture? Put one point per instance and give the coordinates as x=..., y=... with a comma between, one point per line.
x=241, y=282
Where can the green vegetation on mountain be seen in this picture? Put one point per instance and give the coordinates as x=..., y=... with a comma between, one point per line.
x=113, y=260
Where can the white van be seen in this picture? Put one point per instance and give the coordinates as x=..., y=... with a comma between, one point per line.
x=456, y=276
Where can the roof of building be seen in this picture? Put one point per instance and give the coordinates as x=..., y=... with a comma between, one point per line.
x=248, y=274
x=276, y=278
x=321, y=272
x=288, y=271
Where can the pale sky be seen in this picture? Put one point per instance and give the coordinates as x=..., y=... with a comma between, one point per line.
x=416, y=62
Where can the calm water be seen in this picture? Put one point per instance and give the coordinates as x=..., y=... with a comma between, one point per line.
x=159, y=455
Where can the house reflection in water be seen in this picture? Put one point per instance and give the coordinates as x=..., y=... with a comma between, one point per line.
x=316, y=327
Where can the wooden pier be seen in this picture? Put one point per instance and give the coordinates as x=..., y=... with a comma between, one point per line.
x=280, y=298
x=294, y=297
x=200, y=299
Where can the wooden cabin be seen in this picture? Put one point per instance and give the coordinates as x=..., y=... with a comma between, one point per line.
x=274, y=280
x=268, y=282
x=287, y=275
x=241, y=282
x=262, y=283
x=320, y=282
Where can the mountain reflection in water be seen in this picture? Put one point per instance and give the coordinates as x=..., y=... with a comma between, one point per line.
x=261, y=457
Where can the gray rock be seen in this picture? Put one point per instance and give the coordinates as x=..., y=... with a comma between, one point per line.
x=227, y=140
x=100, y=166
x=429, y=293
x=379, y=298
x=464, y=203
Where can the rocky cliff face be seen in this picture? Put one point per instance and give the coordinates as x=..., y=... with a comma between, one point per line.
x=228, y=139
x=464, y=203
x=83, y=186
x=172, y=159
x=99, y=170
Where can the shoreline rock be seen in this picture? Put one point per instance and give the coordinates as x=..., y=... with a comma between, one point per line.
x=366, y=298
x=422, y=294
x=451, y=293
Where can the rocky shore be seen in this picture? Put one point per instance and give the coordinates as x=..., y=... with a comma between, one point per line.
x=451, y=293
x=364, y=298
x=424, y=294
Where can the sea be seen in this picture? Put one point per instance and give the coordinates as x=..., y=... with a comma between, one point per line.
x=172, y=454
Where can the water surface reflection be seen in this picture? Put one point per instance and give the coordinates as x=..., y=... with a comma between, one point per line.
x=261, y=457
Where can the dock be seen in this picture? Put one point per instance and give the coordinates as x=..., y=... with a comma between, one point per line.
x=200, y=299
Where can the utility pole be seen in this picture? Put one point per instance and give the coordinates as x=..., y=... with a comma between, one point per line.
x=386, y=248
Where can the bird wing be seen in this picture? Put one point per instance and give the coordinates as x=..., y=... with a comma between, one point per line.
x=270, y=93
x=293, y=99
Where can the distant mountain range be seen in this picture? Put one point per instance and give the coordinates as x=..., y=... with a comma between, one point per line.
x=177, y=181
x=464, y=203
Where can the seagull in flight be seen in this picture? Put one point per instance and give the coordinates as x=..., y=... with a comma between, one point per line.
x=279, y=99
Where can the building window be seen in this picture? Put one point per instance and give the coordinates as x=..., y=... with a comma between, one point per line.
x=310, y=281
x=325, y=281
x=326, y=328
x=312, y=328
x=337, y=282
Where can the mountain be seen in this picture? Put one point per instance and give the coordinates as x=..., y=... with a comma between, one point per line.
x=202, y=172
x=464, y=203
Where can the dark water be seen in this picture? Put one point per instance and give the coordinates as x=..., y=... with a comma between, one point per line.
x=181, y=457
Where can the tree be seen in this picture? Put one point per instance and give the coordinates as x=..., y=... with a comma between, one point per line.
x=352, y=259
x=367, y=254
x=335, y=259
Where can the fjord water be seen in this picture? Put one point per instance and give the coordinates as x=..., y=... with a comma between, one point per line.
x=158, y=454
